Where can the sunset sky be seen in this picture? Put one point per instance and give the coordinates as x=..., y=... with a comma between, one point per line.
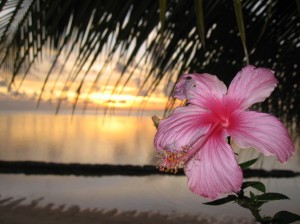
x=24, y=95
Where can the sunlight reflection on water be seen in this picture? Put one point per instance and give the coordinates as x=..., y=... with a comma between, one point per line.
x=85, y=139
x=93, y=140
x=119, y=140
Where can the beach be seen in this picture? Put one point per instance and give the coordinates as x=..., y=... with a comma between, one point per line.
x=12, y=211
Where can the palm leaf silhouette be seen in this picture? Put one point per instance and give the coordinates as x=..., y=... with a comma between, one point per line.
x=164, y=38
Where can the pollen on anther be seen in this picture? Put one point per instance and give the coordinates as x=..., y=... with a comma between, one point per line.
x=172, y=161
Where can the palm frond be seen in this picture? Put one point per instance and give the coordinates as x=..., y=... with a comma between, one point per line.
x=129, y=33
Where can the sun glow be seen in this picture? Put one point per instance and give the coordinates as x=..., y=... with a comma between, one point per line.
x=107, y=99
x=105, y=96
x=128, y=101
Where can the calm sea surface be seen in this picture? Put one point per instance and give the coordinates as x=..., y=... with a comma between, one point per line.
x=83, y=139
x=115, y=140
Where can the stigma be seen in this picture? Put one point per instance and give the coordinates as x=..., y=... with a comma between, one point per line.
x=172, y=161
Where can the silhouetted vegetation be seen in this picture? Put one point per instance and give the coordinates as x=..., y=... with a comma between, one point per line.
x=165, y=40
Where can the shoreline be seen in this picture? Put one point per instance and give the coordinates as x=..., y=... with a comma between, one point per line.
x=13, y=211
x=77, y=169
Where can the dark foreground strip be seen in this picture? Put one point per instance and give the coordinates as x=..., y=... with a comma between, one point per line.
x=41, y=168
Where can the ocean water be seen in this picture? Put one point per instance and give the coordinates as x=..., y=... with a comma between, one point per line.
x=83, y=139
x=90, y=139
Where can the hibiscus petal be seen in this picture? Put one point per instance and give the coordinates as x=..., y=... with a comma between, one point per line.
x=181, y=128
x=214, y=171
x=263, y=132
x=252, y=85
x=199, y=89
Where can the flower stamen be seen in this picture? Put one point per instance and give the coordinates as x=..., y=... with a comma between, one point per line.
x=172, y=161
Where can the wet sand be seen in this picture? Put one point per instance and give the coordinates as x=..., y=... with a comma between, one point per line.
x=12, y=211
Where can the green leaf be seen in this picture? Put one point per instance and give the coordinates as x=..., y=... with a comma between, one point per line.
x=200, y=20
x=258, y=204
x=298, y=5
x=253, y=197
x=285, y=217
x=222, y=201
x=241, y=27
x=162, y=15
x=271, y=197
x=247, y=164
x=267, y=219
x=254, y=184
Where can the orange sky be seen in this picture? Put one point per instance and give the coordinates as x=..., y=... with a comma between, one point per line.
x=128, y=97
x=103, y=93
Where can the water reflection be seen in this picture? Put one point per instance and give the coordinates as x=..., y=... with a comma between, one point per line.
x=119, y=140
x=85, y=139
x=90, y=139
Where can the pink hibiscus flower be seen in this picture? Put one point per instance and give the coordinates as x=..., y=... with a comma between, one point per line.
x=194, y=137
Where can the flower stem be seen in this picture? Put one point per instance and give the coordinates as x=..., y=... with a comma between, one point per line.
x=245, y=202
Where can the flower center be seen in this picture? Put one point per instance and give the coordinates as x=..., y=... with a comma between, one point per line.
x=224, y=123
x=172, y=161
